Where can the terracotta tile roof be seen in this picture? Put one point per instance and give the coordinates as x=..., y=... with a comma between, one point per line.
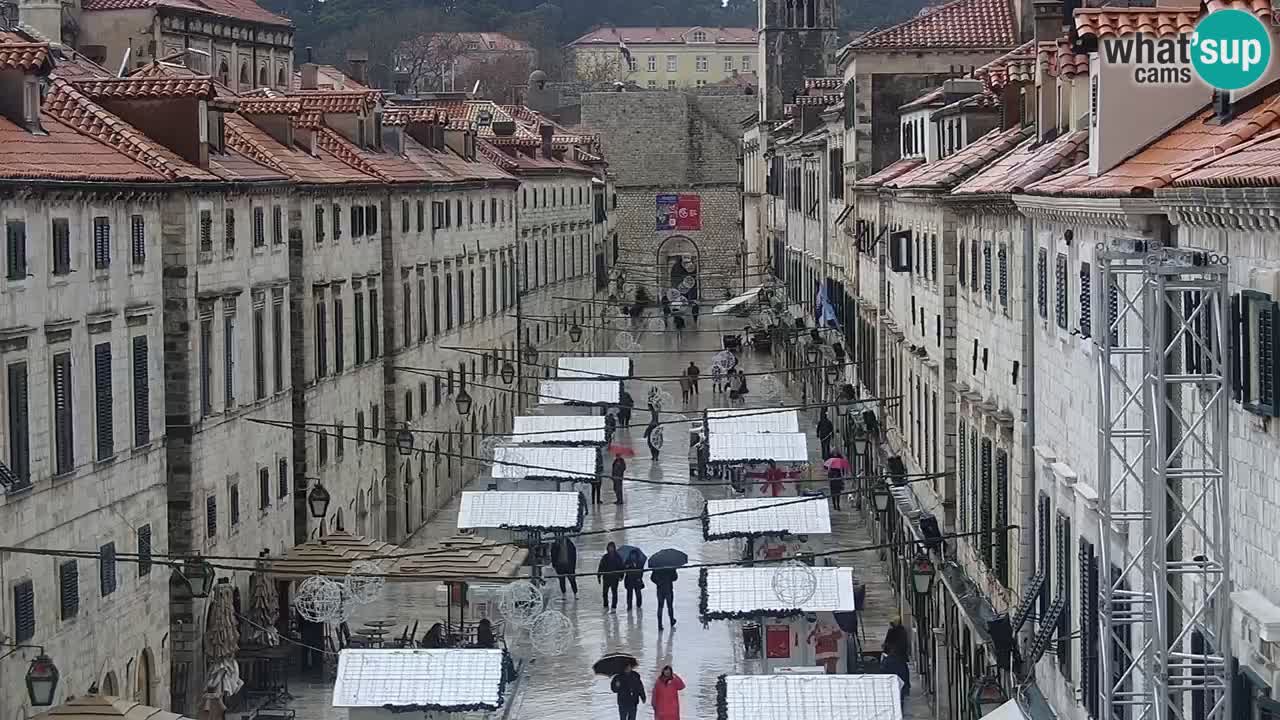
x=979, y=101
x=398, y=116
x=247, y=145
x=950, y=170
x=894, y=170
x=328, y=77
x=246, y=10
x=338, y=101
x=823, y=83
x=1252, y=164
x=235, y=165
x=18, y=54
x=818, y=100
x=308, y=120
x=666, y=36
x=1058, y=60
x=995, y=73
x=322, y=167
x=146, y=88
x=1027, y=164
x=496, y=156
x=69, y=105
x=62, y=153
x=1158, y=22
x=447, y=166
x=270, y=106
x=930, y=98
x=1174, y=153
x=957, y=24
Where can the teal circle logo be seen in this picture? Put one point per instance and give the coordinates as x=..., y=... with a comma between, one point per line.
x=1231, y=49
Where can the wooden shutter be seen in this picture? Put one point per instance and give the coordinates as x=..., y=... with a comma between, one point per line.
x=1042, y=282
x=16, y=250
x=107, y=568
x=962, y=470
x=1002, y=287
x=277, y=225
x=101, y=243
x=64, y=453
x=234, y=504
x=359, y=309
x=277, y=337
x=264, y=488
x=1060, y=290
x=337, y=222
x=1063, y=559
x=61, y=246
x=259, y=353
x=1089, y=660
x=283, y=479
x=102, y=400
x=1086, y=300
x=259, y=227
x=1001, y=538
x=138, y=239
x=1044, y=558
x=986, y=539
x=375, y=335
x=144, y=550
x=206, y=231
x=69, y=589
x=319, y=224
x=24, y=611
x=141, y=393
x=229, y=230
x=211, y=516
x=19, y=440
x=229, y=356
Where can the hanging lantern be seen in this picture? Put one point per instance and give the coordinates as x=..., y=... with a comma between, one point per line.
x=529, y=353
x=508, y=373
x=833, y=373
x=881, y=497
x=922, y=574
x=42, y=681
x=318, y=501
x=404, y=441
x=198, y=575
x=575, y=333
x=464, y=402
x=811, y=354
x=988, y=695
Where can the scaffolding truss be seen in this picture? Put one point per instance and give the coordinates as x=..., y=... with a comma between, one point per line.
x=1163, y=404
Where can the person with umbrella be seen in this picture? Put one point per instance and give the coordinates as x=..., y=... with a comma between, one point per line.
x=825, y=431
x=629, y=688
x=666, y=695
x=610, y=574
x=664, y=564
x=618, y=471
x=564, y=560
x=633, y=579
x=836, y=466
x=625, y=405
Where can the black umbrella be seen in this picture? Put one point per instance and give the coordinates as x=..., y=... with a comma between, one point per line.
x=669, y=558
x=614, y=664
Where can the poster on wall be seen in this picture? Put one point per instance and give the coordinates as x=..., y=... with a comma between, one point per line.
x=678, y=212
x=777, y=641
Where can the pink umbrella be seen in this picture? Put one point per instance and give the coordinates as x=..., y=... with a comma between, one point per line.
x=836, y=463
x=621, y=450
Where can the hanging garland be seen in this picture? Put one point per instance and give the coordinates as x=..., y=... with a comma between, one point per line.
x=461, y=708
x=753, y=535
x=706, y=615
x=576, y=527
x=722, y=698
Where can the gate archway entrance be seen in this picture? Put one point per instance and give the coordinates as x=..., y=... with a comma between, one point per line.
x=678, y=261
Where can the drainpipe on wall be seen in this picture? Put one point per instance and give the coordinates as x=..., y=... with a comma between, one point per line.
x=1027, y=512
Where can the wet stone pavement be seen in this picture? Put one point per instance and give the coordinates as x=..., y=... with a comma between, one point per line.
x=562, y=687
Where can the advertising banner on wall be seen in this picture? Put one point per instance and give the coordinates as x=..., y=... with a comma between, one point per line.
x=678, y=212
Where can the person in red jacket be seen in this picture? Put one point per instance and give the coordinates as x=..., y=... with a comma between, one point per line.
x=773, y=478
x=666, y=695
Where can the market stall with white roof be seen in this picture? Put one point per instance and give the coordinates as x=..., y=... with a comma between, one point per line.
x=530, y=517
x=737, y=421
x=809, y=697
x=785, y=612
x=594, y=367
x=588, y=394
x=769, y=528
x=461, y=684
x=557, y=430
x=556, y=463
x=760, y=463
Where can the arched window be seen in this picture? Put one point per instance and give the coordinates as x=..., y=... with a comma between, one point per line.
x=262, y=76
x=244, y=75
x=280, y=83
x=224, y=73
x=698, y=36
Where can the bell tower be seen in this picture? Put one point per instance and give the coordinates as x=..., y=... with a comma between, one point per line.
x=798, y=39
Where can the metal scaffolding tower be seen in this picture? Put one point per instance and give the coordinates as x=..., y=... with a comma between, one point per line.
x=1164, y=397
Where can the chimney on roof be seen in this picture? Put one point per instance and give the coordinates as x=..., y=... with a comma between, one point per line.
x=548, y=132
x=310, y=76
x=1049, y=20
x=44, y=17
x=358, y=62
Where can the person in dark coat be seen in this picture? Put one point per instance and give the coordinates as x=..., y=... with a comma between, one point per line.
x=618, y=471
x=484, y=635
x=434, y=638
x=692, y=372
x=633, y=580
x=825, y=431
x=694, y=310
x=835, y=478
x=894, y=665
x=629, y=688
x=664, y=580
x=564, y=560
x=896, y=641
x=610, y=424
x=610, y=567
x=596, y=481
x=625, y=404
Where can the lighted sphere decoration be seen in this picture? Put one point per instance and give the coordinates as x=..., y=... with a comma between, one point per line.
x=794, y=583
x=694, y=501
x=770, y=387
x=488, y=446
x=725, y=359
x=666, y=400
x=654, y=396
x=624, y=341
x=688, y=282
x=657, y=325
x=665, y=513
x=675, y=295
x=365, y=580
x=550, y=633
x=321, y=599
x=520, y=602
x=656, y=437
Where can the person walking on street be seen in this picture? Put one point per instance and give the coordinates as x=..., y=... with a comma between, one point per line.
x=633, y=580
x=686, y=389
x=666, y=695
x=629, y=688
x=694, y=310
x=692, y=372
x=653, y=436
x=894, y=665
x=610, y=570
x=564, y=560
x=896, y=640
x=825, y=431
x=666, y=309
x=625, y=404
x=610, y=424
x=664, y=581
x=835, y=477
x=619, y=470
x=717, y=379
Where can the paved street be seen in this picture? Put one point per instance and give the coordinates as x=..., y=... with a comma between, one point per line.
x=563, y=687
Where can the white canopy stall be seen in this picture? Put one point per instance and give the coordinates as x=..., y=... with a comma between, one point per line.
x=579, y=393
x=466, y=684
x=557, y=430
x=594, y=367
x=810, y=697
x=558, y=463
x=738, y=421
x=547, y=511
x=783, y=633
x=757, y=447
x=757, y=517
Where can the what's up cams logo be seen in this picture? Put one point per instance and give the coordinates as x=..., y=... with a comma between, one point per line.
x=1229, y=50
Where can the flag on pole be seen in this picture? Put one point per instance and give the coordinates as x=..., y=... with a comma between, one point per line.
x=626, y=53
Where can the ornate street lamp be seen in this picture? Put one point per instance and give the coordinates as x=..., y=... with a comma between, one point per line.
x=464, y=402
x=833, y=373
x=529, y=353
x=404, y=441
x=988, y=695
x=922, y=574
x=318, y=501
x=811, y=354
x=42, y=681
x=199, y=576
x=575, y=333
x=508, y=373
x=881, y=497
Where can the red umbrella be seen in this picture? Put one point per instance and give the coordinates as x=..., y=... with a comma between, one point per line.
x=836, y=463
x=622, y=450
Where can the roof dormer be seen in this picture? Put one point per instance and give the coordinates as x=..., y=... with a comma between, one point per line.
x=183, y=114
x=24, y=68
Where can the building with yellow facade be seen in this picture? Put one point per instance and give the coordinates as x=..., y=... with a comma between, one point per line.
x=665, y=57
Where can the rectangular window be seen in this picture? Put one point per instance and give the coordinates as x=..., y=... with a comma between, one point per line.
x=406, y=311
x=484, y=293
x=975, y=264
x=206, y=231
x=701, y=63
x=107, y=568
x=61, y=249
x=448, y=300
x=277, y=225
x=728, y=64
x=359, y=318
x=69, y=589
x=102, y=401
x=1090, y=669
x=462, y=297
x=229, y=230
x=1044, y=550
x=24, y=611
x=282, y=478
x=375, y=317
x=359, y=428
x=422, y=212
x=746, y=63
x=336, y=221
x=1042, y=283
x=357, y=221
x=138, y=239
x=277, y=337
x=19, y=428
x=1001, y=538
x=653, y=63
x=404, y=216
x=340, y=441
x=1259, y=353
x=1002, y=288
x=984, y=506
x=671, y=84
x=962, y=262
x=141, y=392
x=1063, y=552
x=435, y=305
x=144, y=550
x=986, y=270
x=259, y=227
x=206, y=366
x=264, y=488
x=322, y=449
x=1060, y=289
x=962, y=475
x=339, y=334
x=321, y=329
x=229, y=356
x=101, y=243
x=1086, y=300
x=319, y=224
x=371, y=220
x=259, y=353
x=422, y=308
x=233, y=506
x=672, y=63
